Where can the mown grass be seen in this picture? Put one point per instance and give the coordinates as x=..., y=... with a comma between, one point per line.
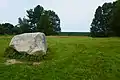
x=69, y=58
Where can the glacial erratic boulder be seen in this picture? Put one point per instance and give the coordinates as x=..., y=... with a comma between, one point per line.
x=30, y=43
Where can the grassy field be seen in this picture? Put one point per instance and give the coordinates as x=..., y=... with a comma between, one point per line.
x=69, y=58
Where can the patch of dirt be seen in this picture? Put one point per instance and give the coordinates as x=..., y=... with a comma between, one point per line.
x=14, y=61
x=36, y=63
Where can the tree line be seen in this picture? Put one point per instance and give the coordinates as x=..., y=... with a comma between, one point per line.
x=106, y=21
x=36, y=20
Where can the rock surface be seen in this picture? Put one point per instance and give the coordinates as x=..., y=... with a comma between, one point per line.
x=30, y=43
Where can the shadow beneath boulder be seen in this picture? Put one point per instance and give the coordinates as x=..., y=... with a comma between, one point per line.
x=11, y=53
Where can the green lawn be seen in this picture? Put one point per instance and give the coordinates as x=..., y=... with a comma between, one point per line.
x=69, y=58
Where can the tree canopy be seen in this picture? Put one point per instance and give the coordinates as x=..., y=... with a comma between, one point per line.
x=115, y=21
x=8, y=28
x=100, y=24
x=36, y=20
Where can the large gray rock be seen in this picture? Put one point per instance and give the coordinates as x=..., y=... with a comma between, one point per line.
x=30, y=43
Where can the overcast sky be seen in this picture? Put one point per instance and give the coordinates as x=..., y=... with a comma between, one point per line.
x=75, y=15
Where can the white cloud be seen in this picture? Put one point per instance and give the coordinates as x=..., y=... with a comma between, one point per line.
x=3, y=3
